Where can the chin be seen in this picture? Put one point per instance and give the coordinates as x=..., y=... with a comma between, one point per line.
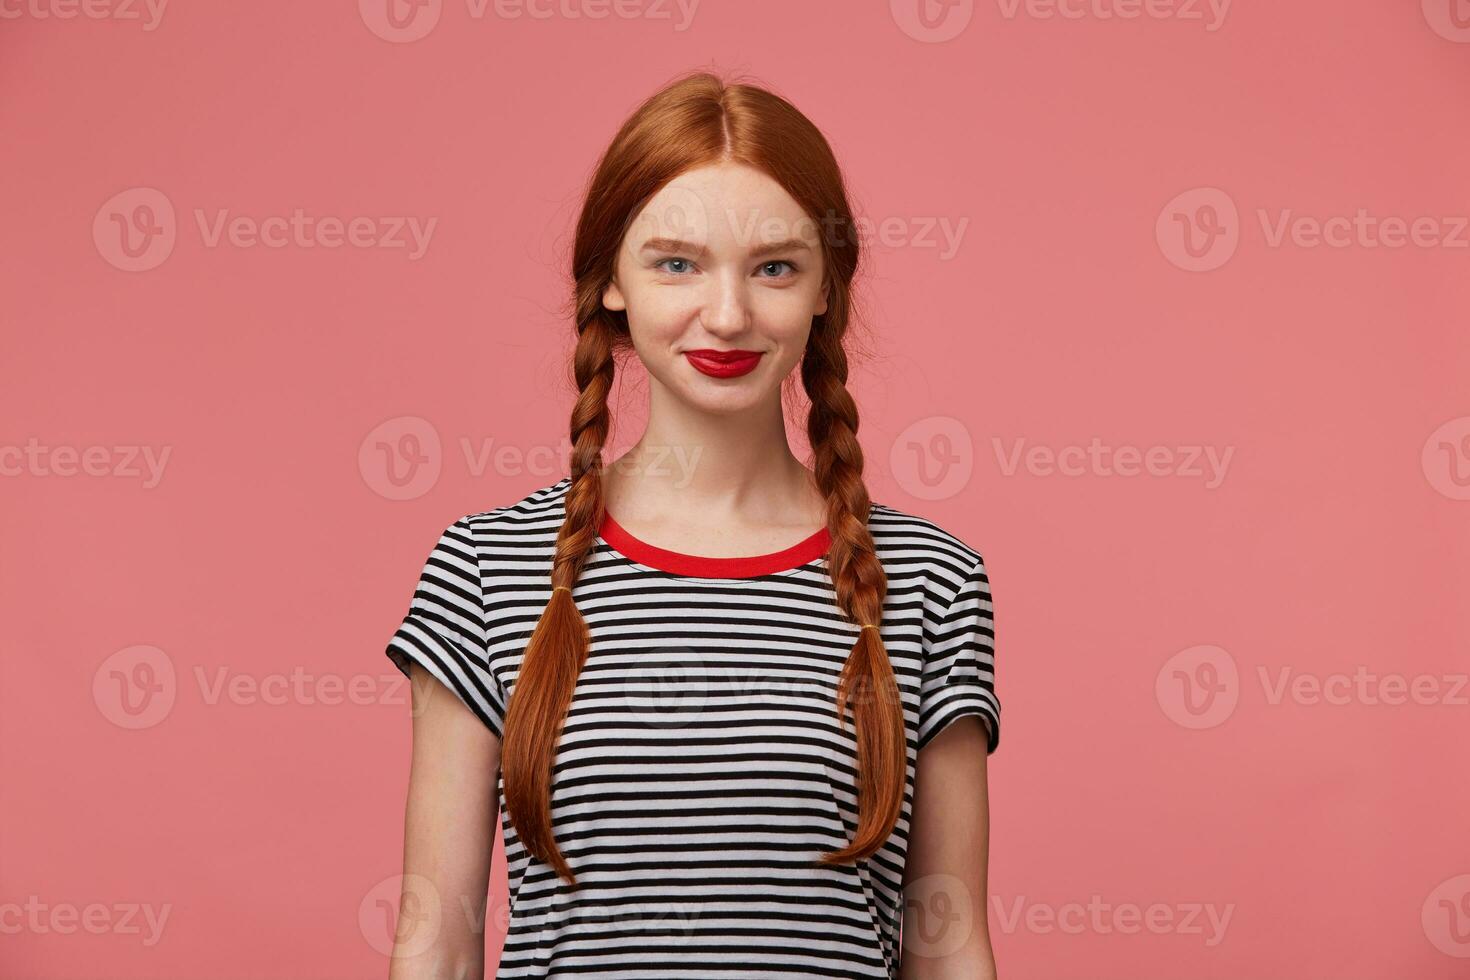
x=729, y=401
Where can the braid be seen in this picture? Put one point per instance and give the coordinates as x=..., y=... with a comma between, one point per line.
x=559, y=644
x=867, y=682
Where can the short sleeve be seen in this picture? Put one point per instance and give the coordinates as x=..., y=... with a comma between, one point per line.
x=445, y=627
x=959, y=662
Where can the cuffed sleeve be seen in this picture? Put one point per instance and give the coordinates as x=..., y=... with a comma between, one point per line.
x=444, y=630
x=959, y=662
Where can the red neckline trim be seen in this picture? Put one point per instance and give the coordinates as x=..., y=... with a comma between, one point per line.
x=809, y=549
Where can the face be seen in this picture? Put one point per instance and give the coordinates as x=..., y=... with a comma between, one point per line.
x=721, y=261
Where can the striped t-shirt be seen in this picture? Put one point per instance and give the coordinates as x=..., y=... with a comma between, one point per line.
x=701, y=768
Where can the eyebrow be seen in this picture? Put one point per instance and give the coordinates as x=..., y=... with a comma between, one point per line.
x=676, y=245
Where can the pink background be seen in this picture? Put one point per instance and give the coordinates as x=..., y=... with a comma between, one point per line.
x=266, y=819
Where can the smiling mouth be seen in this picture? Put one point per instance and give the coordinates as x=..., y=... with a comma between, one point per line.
x=724, y=363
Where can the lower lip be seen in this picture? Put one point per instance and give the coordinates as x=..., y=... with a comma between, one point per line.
x=724, y=369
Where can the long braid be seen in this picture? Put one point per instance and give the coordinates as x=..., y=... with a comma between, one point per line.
x=560, y=642
x=867, y=683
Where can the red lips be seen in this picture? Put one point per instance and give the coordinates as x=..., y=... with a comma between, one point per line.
x=724, y=363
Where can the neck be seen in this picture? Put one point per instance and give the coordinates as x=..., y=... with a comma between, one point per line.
x=721, y=467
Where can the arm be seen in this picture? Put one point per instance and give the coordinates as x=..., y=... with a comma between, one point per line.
x=448, y=838
x=946, y=931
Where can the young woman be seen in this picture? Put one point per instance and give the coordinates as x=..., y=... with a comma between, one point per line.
x=735, y=713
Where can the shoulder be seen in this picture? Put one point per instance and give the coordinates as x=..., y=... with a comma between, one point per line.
x=541, y=503
x=910, y=543
x=522, y=528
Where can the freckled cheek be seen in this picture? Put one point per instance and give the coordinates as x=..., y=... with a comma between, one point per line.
x=657, y=315
x=785, y=317
x=781, y=308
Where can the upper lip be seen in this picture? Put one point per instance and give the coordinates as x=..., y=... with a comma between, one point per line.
x=724, y=355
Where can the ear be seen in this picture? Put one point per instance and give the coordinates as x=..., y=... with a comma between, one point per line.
x=612, y=297
x=822, y=302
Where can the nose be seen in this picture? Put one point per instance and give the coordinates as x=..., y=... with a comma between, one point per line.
x=726, y=310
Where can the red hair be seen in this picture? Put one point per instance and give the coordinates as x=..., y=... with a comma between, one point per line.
x=696, y=121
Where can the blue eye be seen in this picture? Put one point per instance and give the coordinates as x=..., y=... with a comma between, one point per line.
x=662, y=264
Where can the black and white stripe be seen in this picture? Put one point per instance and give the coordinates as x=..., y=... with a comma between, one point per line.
x=701, y=768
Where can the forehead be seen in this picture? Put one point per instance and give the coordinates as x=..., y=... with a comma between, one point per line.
x=724, y=204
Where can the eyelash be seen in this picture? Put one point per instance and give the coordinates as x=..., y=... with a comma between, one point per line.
x=790, y=265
